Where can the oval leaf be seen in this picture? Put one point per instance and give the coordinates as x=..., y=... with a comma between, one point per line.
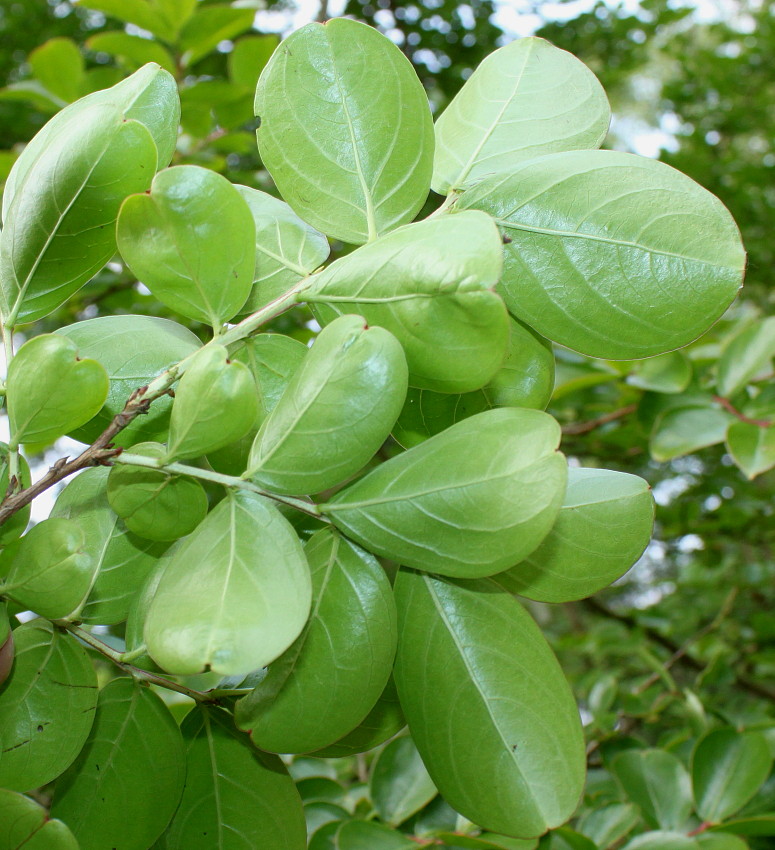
x=749, y=354
x=469, y=502
x=430, y=284
x=46, y=706
x=603, y=527
x=234, y=596
x=526, y=99
x=683, y=430
x=126, y=783
x=350, y=150
x=616, y=256
x=484, y=695
x=399, y=784
x=190, y=241
x=26, y=824
x=752, y=447
x=339, y=407
x=370, y=835
x=339, y=664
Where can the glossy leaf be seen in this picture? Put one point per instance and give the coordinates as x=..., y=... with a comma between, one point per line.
x=50, y=570
x=526, y=99
x=60, y=66
x=234, y=596
x=234, y=794
x=370, y=835
x=484, y=695
x=430, y=284
x=326, y=683
x=603, y=527
x=15, y=525
x=133, y=350
x=657, y=782
x=26, y=824
x=121, y=561
x=748, y=355
x=190, y=241
x=613, y=255
x=125, y=785
x=46, y=706
x=62, y=196
x=469, y=502
x=350, y=150
x=51, y=390
x=666, y=373
x=728, y=768
x=215, y=404
x=287, y=248
x=399, y=783
x=339, y=407
x=752, y=447
x=154, y=504
x=682, y=430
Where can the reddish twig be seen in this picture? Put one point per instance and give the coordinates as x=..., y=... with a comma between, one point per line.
x=728, y=406
x=586, y=427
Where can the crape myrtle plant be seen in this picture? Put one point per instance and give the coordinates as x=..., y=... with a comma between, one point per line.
x=236, y=508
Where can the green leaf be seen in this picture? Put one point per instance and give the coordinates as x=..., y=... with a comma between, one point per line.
x=656, y=781
x=720, y=841
x=209, y=26
x=683, y=430
x=384, y=721
x=486, y=841
x=51, y=390
x=613, y=255
x=15, y=525
x=125, y=785
x=121, y=561
x=318, y=814
x=287, y=248
x=27, y=824
x=753, y=826
x=248, y=58
x=324, y=837
x=234, y=596
x=603, y=527
x=469, y=502
x=351, y=150
x=399, y=784
x=234, y=794
x=608, y=825
x=484, y=694
x=752, y=447
x=370, y=835
x=50, y=570
x=6, y=644
x=746, y=357
x=134, y=50
x=728, y=768
x=133, y=350
x=666, y=373
x=163, y=18
x=526, y=99
x=326, y=683
x=430, y=284
x=59, y=66
x=662, y=840
x=62, y=196
x=46, y=706
x=190, y=241
x=155, y=504
x=339, y=407
x=215, y=404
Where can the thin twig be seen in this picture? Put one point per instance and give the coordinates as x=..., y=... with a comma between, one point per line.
x=585, y=427
x=729, y=407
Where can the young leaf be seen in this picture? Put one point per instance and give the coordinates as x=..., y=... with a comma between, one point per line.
x=752, y=447
x=657, y=782
x=133, y=350
x=430, y=284
x=215, y=404
x=234, y=794
x=604, y=525
x=287, y=248
x=121, y=561
x=748, y=354
x=51, y=390
x=370, y=835
x=484, y=695
x=125, y=785
x=728, y=768
x=526, y=99
x=46, y=706
x=399, y=784
x=469, y=502
x=616, y=256
x=190, y=241
x=234, y=596
x=351, y=150
x=339, y=407
x=26, y=824
x=50, y=570
x=324, y=685
x=155, y=504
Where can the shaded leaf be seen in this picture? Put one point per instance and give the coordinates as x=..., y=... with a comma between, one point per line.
x=248, y=58
x=399, y=784
x=59, y=66
x=683, y=430
x=211, y=25
x=27, y=824
x=752, y=447
x=163, y=18
x=748, y=355
x=370, y=835
x=133, y=49
x=666, y=373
